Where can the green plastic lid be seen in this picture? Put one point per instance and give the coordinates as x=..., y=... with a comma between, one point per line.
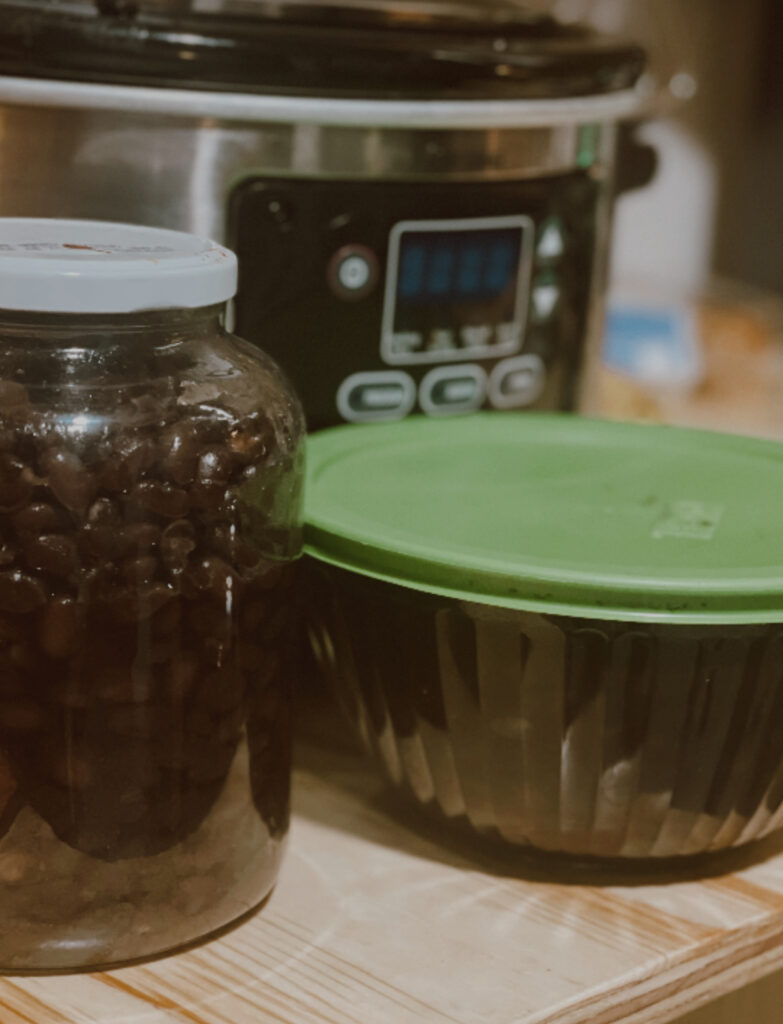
x=557, y=514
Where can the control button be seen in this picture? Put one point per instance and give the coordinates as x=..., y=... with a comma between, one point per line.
x=515, y=383
x=452, y=389
x=551, y=240
x=367, y=397
x=353, y=272
x=545, y=297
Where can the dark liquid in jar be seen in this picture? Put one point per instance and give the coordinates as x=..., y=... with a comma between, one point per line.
x=144, y=713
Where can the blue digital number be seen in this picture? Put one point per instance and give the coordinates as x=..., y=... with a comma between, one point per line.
x=500, y=267
x=441, y=271
x=412, y=272
x=469, y=274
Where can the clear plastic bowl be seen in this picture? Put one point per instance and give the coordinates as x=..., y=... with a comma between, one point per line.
x=583, y=737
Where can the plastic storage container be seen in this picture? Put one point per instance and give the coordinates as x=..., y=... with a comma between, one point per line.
x=150, y=479
x=568, y=632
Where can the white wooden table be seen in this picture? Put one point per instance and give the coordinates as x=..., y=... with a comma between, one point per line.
x=377, y=920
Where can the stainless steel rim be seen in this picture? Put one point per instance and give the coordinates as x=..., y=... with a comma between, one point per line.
x=346, y=113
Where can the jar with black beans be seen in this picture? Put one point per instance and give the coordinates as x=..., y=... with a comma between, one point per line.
x=150, y=513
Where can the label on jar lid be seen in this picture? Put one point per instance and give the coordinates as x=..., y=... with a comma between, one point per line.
x=73, y=266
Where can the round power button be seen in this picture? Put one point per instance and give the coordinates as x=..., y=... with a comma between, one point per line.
x=353, y=272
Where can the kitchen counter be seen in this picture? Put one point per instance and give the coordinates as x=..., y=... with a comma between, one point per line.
x=378, y=920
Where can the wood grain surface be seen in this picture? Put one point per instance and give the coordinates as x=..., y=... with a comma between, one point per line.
x=381, y=917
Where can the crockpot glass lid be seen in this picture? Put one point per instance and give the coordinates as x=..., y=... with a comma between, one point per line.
x=384, y=49
x=436, y=15
x=555, y=513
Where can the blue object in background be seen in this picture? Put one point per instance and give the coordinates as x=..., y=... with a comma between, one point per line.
x=656, y=345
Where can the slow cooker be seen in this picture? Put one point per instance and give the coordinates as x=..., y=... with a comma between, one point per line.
x=419, y=193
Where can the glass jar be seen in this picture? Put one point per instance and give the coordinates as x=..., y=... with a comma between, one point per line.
x=150, y=483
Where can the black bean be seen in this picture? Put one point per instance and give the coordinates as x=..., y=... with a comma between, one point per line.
x=227, y=541
x=142, y=411
x=99, y=583
x=181, y=444
x=40, y=517
x=215, y=465
x=141, y=537
x=161, y=499
x=251, y=439
x=52, y=554
x=127, y=461
x=102, y=537
x=139, y=570
x=71, y=483
x=20, y=592
x=104, y=512
x=100, y=542
x=212, y=576
x=211, y=497
x=176, y=544
x=16, y=484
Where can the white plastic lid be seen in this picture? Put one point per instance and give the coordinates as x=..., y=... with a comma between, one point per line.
x=82, y=266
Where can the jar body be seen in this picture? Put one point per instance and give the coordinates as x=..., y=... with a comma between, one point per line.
x=150, y=471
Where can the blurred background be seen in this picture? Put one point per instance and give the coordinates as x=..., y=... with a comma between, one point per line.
x=702, y=241
x=716, y=98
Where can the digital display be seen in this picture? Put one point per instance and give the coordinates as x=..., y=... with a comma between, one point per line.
x=459, y=267
x=456, y=289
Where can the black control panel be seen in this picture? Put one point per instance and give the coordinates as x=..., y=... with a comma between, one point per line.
x=379, y=300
